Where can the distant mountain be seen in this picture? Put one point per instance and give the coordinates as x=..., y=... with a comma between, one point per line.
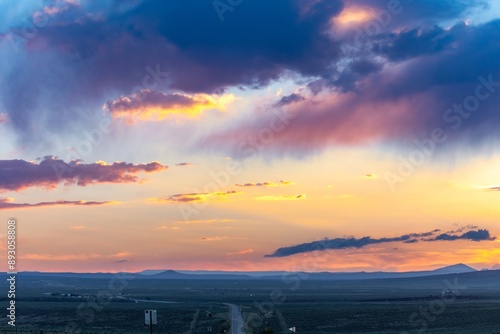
x=66, y=274
x=171, y=274
x=246, y=273
x=496, y=267
x=167, y=274
x=149, y=272
x=261, y=275
x=454, y=269
x=278, y=275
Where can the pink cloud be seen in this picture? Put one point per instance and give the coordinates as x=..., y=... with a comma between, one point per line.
x=322, y=120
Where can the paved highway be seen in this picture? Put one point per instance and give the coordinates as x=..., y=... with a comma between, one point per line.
x=237, y=324
x=147, y=300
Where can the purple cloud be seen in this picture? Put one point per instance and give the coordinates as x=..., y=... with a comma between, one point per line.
x=49, y=172
x=6, y=203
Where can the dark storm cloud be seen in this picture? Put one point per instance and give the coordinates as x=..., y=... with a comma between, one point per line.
x=87, y=55
x=415, y=42
x=473, y=53
x=423, y=11
x=345, y=243
x=289, y=99
x=49, y=172
x=357, y=70
x=452, y=84
x=96, y=52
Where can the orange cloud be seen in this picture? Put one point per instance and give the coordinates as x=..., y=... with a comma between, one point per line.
x=174, y=228
x=205, y=221
x=195, y=197
x=214, y=238
x=72, y=257
x=242, y=252
x=281, y=197
x=150, y=105
x=353, y=15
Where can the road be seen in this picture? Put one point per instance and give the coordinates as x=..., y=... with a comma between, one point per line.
x=153, y=301
x=237, y=324
x=147, y=300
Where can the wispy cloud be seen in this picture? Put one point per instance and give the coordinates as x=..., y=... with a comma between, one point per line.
x=74, y=257
x=205, y=221
x=280, y=197
x=216, y=238
x=173, y=228
x=184, y=164
x=7, y=203
x=241, y=252
x=195, y=197
x=463, y=228
x=265, y=184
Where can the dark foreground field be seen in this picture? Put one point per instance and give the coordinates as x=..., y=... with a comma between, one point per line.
x=463, y=303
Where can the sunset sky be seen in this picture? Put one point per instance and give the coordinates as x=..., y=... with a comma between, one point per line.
x=315, y=135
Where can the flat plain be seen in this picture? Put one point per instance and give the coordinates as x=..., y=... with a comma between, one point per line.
x=457, y=303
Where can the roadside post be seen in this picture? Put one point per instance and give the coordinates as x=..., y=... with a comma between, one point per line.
x=150, y=319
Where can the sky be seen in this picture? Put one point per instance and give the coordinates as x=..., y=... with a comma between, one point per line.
x=311, y=135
